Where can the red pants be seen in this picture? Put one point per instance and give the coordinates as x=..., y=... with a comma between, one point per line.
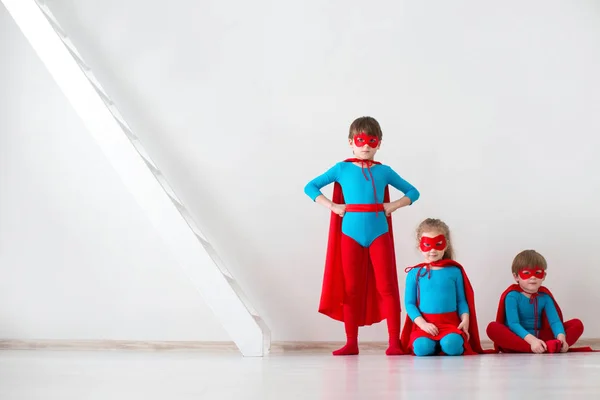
x=446, y=323
x=381, y=254
x=508, y=342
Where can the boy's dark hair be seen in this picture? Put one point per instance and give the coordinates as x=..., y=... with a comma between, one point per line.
x=368, y=125
x=528, y=258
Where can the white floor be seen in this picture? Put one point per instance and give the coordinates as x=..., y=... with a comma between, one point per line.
x=51, y=375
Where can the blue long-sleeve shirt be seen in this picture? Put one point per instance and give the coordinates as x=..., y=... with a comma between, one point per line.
x=442, y=292
x=364, y=227
x=520, y=316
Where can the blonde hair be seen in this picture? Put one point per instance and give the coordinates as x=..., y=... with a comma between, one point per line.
x=434, y=224
x=528, y=258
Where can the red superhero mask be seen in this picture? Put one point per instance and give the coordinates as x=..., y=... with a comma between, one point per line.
x=529, y=272
x=360, y=139
x=438, y=243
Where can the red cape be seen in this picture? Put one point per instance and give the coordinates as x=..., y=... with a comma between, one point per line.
x=501, y=313
x=473, y=345
x=332, y=294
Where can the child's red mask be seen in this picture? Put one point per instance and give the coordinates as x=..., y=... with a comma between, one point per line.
x=360, y=139
x=438, y=243
x=529, y=272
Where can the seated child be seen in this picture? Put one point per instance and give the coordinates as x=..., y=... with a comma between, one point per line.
x=439, y=299
x=528, y=319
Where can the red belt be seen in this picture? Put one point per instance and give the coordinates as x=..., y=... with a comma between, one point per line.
x=364, y=207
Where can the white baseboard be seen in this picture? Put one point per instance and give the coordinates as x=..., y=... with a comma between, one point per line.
x=134, y=345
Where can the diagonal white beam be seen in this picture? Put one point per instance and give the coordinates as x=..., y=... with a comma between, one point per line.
x=141, y=176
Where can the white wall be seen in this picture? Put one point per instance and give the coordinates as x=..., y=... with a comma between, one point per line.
x=490, y=110
x=78, y=259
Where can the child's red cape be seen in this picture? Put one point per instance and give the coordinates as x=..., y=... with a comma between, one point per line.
x=332, y=294
x=501, y=314
x=473, y=345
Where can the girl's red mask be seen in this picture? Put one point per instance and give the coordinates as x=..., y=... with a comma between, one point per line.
x=360, y=139
x=437, y=243
x=529, y=272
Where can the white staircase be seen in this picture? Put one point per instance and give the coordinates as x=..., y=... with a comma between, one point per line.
x=142, y=177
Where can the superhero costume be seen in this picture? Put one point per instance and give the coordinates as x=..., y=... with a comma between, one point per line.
x=360, y=282
x=445, y=304
x=547, y=323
